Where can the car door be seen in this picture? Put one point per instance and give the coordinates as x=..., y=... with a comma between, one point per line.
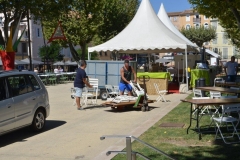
x=24, y=100
x=6, y=108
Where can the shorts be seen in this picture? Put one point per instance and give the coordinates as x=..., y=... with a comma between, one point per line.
x=123, y=86
x=78, y=92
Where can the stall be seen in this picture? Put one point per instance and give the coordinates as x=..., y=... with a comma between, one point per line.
x=199, y=73
x=161, y=78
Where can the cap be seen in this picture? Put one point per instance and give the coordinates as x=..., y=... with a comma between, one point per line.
x=126, y=61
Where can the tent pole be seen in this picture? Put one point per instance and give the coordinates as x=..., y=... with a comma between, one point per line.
x=186, y=67
x=88, y=56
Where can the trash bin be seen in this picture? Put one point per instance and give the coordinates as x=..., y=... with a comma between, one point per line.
x=197, y=83
x=202, y=82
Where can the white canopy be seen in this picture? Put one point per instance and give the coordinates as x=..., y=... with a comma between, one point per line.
x=162, y=15
x=212, y=53
x=144, y=34
x=33, y=61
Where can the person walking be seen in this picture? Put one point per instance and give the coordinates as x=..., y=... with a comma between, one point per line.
x=126, y=74
x=231, y=69
x=80, y=82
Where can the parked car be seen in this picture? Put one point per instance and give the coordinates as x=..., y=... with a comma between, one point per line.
x=23, y=101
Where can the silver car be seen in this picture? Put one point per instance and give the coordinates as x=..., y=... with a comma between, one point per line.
x=23, y=101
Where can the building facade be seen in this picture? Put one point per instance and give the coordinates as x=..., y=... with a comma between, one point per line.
x=188, y=18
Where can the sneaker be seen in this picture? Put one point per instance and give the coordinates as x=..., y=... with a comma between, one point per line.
x=80, y=108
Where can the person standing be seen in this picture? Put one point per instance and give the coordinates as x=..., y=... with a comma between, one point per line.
x=231, y=69
x=126, y=74
x=80, y=82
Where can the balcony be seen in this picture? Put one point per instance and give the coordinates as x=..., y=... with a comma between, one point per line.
x=196, y=20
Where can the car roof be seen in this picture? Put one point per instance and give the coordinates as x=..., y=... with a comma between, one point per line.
x=14, y=72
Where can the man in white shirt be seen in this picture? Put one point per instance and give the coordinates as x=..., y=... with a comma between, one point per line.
x=231, y=69
x=56, y=70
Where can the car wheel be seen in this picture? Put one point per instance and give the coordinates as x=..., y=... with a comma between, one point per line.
x=38, y=120
x=104, y=95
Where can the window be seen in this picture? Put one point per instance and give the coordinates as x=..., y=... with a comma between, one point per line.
x=105, y=53
x=175, y=18
x=19, y=85
x=214, y=24
x=197, y=16
x=206, y=25
x=24, y=47
x=197, y=25
x=188, y=17
x=26, y=34
x=214, y=41
x=38, y=32
x=224, y=38
x=35, y=83
x=205, y=17
x=3, y=93
x=225, y=53
x=188, y=26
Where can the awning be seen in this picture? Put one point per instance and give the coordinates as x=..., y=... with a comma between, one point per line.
x=212, y=53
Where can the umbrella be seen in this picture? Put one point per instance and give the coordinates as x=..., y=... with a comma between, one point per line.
x=59, y=63
x=162, y=60
x=17, y=62
x=33, y=61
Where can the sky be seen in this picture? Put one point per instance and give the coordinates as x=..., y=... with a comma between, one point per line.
x=171, y=5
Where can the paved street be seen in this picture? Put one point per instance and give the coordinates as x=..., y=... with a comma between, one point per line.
x=72, y=134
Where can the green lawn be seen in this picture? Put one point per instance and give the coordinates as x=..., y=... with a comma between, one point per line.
x=180, y=145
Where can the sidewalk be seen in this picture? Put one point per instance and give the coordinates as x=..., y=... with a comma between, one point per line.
x=75, y=134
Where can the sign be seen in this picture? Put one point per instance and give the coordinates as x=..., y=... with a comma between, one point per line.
x=58, y=33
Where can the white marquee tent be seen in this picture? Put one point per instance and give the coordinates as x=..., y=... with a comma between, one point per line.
x=146, y=33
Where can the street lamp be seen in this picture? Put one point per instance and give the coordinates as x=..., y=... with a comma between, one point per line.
x=29, y=41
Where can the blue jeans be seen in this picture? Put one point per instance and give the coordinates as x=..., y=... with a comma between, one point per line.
x=231, y=78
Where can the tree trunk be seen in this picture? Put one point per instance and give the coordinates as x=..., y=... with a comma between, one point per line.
x=236, y=15
x=84, y=50
x=74, y=52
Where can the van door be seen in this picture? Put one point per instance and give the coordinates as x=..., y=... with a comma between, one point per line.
x=6, y=108
x=24, y=99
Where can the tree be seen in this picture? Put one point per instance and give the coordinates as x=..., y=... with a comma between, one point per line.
x=79, y=25
x=116, y=16
x=200, y=34
x=16, y=10
x=86, y=20
x=226, y=11
x=51, y=52
x=94, y=55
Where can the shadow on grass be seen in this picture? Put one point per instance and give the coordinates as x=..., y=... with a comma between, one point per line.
x=22, y=134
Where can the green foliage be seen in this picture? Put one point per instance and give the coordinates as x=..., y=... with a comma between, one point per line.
x=94, y=55
x=79, y=25
x=116, y=16
x=18, y=10
x=200, y=34
x=226, y=11
x=51, y=52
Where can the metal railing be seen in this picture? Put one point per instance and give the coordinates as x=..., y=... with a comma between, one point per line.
x=132, y=155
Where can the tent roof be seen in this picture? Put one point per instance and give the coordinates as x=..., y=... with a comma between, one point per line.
x=162, y=15
x=144, y=34
x=212, y=53
x=33, y=61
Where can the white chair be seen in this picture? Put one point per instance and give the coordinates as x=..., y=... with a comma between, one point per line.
x=221, y=80
x=214, y=95
x=197, y=92
x=160, y=93
x=225, y=119
x=111, y=91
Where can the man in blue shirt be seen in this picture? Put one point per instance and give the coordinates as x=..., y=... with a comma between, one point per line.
x=231, y=69
x=80, y=82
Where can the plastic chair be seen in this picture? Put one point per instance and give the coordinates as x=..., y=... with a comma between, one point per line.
x=160, y=93
x=218, y=80
x=111, y=91
x=197, y=93
x=225, y=119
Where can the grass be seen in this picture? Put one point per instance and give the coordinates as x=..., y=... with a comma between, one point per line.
x=180, y=145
